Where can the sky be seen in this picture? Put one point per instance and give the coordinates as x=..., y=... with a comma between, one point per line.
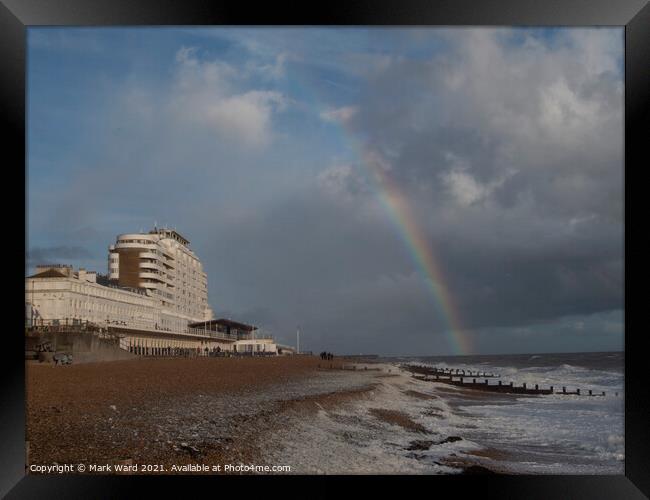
x=424, y=191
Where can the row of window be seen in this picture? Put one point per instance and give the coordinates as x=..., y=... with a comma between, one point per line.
x=111, y=308
x=98, y=292
x=144, y=242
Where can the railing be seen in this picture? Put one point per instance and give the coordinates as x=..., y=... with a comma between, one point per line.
x=225, y=336
x=82, y=324
x=150, y=275
x=149, y=255
x=56, y=322
x=151, y=245
x=151, y=265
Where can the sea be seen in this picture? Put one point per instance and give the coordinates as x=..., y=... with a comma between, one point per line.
x=506, y=433
x=549, y=434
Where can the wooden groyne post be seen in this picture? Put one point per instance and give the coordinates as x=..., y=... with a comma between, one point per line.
x=447, y=375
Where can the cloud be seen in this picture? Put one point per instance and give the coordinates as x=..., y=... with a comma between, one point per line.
x=464, y=189
x=341, y=115
x=274, y=70
x=208, y=93
x=56, y=255
x=510, y=154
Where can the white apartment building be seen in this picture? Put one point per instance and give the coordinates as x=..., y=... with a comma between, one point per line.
x=155, y=295
x=162, y=263
x=56, y=294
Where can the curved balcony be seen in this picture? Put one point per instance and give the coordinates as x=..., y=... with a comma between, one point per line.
x=149, y=255
x=153, y=276
x=136, y=245
x=150, y=265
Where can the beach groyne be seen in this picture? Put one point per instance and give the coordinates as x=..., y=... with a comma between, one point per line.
x=481, y=381
x=427, y=370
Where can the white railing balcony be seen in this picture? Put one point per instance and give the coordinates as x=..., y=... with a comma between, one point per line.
x=154, y=276
x=150, y=265
x=136, y=245
x=212, y=334
x=149, y=255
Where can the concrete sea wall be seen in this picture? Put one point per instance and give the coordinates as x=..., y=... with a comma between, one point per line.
x=85, y=347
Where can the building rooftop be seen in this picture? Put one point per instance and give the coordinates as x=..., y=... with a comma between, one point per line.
x=225, y=323
x=170, y=233
x=50, y=273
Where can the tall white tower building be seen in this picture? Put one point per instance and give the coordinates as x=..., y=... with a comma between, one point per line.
x=162, y=263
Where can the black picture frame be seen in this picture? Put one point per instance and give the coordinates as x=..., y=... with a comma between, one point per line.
x=634, y=15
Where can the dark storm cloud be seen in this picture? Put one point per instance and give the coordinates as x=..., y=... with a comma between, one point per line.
x=513, y=161
x=56, y=254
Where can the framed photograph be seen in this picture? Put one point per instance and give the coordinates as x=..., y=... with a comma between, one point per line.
x=376, y=244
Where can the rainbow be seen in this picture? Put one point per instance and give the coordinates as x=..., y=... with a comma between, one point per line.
x=416, y=241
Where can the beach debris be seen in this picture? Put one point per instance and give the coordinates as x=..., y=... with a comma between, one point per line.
x=419, y=445
x=192, y=450
x=113, y=407
x=44, y=347
x=62, y=359
x=450, y=439
x=423, y=445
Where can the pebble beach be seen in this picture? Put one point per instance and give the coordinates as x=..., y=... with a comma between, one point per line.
x=269, y=411
x=308, y=416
